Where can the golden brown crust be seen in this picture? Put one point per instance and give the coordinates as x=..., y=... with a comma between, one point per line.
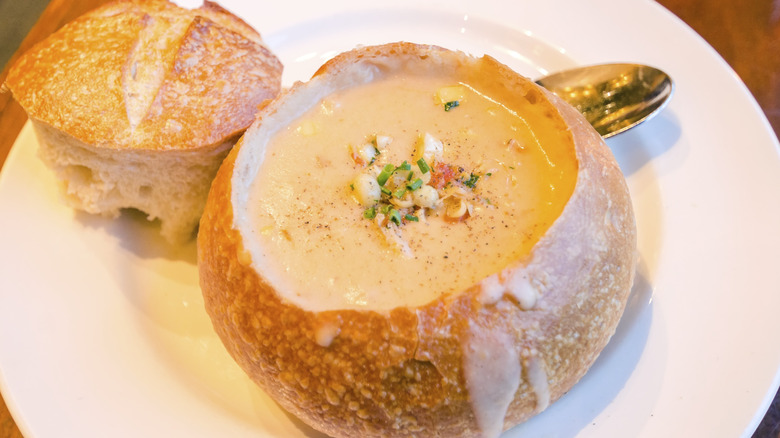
x=148, y=75
x=136, y=103
x=402, y=373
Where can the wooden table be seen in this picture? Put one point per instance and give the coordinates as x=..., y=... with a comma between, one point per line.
x=746, y=34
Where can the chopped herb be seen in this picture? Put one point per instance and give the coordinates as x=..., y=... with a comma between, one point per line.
x=472, y=181
x=394, y=184
x=395, y=216
x=423, y=166
x=415, y=185
x=450, y=105
x=352, y=186
x=489, y=173
x=384, y=175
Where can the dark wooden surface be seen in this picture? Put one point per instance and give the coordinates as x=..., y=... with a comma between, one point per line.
x=746, y=34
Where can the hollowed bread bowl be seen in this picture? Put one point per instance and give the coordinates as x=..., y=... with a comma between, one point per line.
x=459, y=317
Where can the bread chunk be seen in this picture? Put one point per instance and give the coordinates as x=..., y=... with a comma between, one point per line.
x=136, y=103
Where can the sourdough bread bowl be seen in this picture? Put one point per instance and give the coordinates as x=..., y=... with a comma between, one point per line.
x=460, y=311
x=136, y=103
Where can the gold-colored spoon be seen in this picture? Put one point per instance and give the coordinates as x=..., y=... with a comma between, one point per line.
x=613, y=97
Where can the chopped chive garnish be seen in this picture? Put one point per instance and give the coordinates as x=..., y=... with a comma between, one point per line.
x=423, y=166
x=384, y=175
x=415, y=185
x=400, y=193
x=472, y=181
x=395, y=216
x=409, y=176
x=405, y=166
x=450, y=105
x=385, y=209
x=369, y=213
x=385, y=191
x=411, y=217
x=352, y=186
x=489, y=173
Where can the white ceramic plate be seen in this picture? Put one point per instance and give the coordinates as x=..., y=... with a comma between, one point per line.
x=102, y=330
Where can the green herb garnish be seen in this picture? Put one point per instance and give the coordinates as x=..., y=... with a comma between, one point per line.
x=450, y=105
x=411, y=217
x=400, y=193
x=415, y=185
x=395, y=216
x=369, y=213
x=424, y=168
x=376, y=154
x=472, y=181
x=384, y=175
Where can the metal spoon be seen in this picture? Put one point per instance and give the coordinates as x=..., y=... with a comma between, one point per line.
x=613, y=97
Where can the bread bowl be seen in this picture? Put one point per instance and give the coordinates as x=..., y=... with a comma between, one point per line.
x=136, y=103
x=447, y=318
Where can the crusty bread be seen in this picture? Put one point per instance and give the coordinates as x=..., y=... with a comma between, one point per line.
x=136, y=103
x=409, y=371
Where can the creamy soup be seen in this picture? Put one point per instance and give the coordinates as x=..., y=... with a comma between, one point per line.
x=502, y=167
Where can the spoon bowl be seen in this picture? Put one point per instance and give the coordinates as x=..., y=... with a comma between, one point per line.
x=612, y=97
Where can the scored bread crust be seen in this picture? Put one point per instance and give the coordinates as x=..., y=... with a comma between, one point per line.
x=405, y=372
x=136, y=103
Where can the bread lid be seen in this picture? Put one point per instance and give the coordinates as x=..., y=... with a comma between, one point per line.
x=148, y=75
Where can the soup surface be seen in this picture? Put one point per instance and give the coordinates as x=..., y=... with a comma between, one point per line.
x=502, y=169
